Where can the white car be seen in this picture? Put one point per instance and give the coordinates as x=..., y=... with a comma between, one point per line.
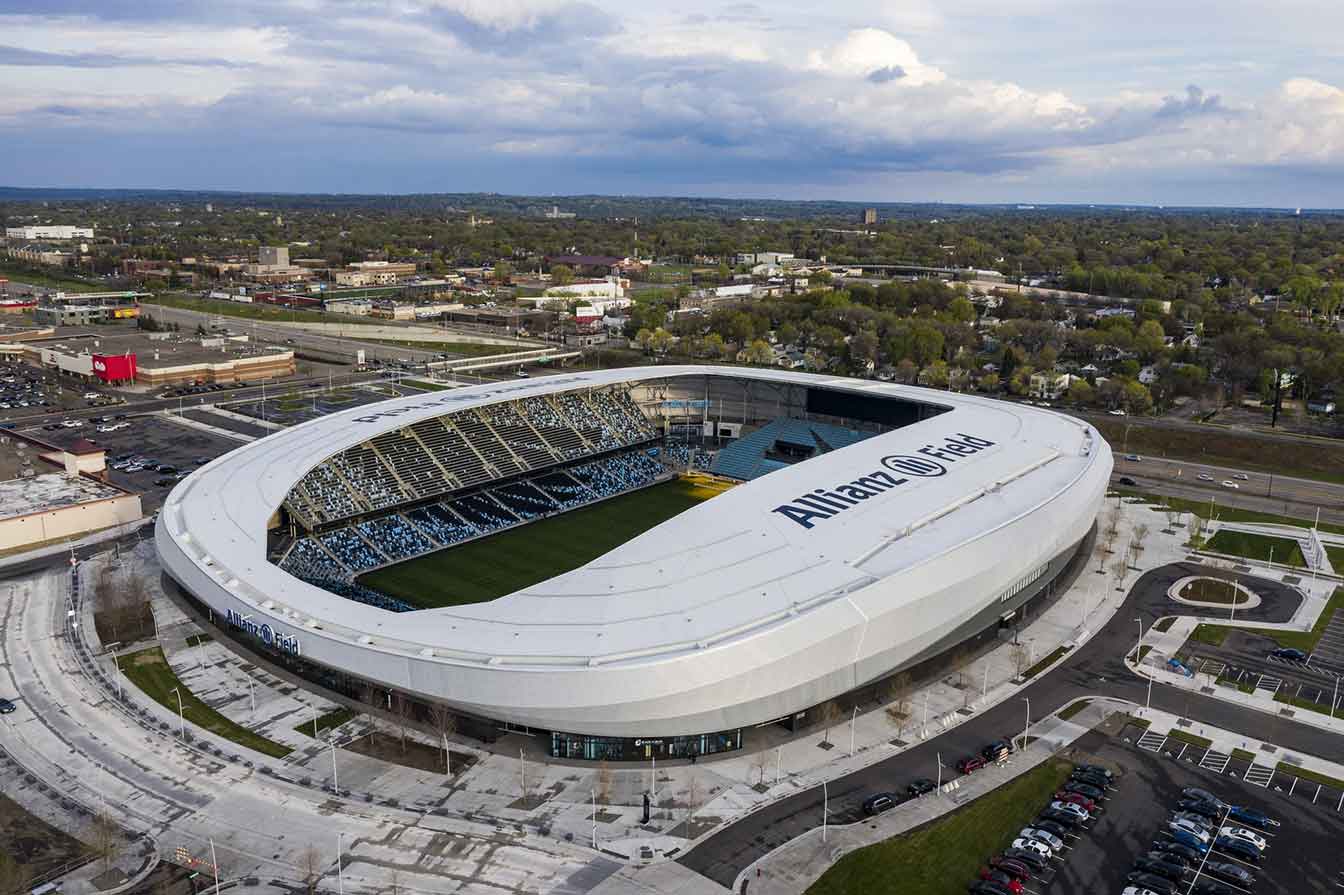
x=1116, y=412
x=1190, y=827
x=1077, y=811
x=134, y=467
x=71, y=424
x=1244, y=835
x=1228, y=483
x=1050, y=839
x=1205, y=477
x=1136, y=890
x=1033, y=845
x=91, y=396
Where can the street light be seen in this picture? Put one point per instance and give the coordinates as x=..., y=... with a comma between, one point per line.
x=1027, y=725
x=181, y=716
x=825, y=808
x=1139, y=645
x=340, y=868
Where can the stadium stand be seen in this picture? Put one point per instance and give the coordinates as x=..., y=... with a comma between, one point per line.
x=781, y=443
x=394, y=537
x=351, y=550
x=442, y=524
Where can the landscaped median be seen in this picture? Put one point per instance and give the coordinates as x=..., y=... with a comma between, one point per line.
x=150, y=671
x=945, y=855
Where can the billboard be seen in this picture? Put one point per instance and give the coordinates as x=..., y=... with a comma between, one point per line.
x=114, y=367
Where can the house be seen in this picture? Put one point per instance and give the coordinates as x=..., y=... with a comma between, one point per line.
x=1050, y=385
x=1148, y=375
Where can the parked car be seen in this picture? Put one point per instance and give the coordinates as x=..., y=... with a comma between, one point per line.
x=1245, y=835
x=1187, y=839
x=1015, y=868
x=1052, y=827
x=1137, y=890
x=7, y=706
x=1093, y=769
x=1076, y=798
x=1064, y=818
x=920, y=785
x=1251, y=816
x=1152, y=882
x=1085, y=789
x=1056, y=844
x=988, y=887
x=1204, y=809
x=1165, y=869
x=1002, y=879
x=1127, y=481
x=1091, y=778
x=1237, y=848
x=1199, y=820
x=1289, y=654
x=1212, y=887
x=1233, y=873
x=970, y=764
x=1030, y=858
x=1033, y=845
x=1077, y=811
x=876, y=804
x=997, y=750
x=1203, y=795
x=1168, y=857
x=1176, y=665
x=1186, y=853
x=1193, y=828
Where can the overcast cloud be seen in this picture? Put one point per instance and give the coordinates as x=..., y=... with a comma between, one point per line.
x=1229, y=103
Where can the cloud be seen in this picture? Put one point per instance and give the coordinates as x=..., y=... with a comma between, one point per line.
x=870, y=50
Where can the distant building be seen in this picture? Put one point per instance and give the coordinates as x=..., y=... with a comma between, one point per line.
x=59, y=231
x=273, y=267
x=869, y=217
x=1050, y=385
x=273, y=256
x=610, y=287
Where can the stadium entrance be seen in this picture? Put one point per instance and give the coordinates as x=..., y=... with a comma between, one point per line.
x=595, y=748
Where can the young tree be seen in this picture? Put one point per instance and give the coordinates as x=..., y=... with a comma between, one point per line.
x=604, y=777
x=310, y=865
x=1018, y=653
x=898, y=692
x=444, y=723
x=828, y=715
x=562, y=275
x=107, y=838
x=1119, y=570
x=403, y=712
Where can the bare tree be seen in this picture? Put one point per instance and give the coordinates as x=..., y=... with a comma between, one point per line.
x=1196, y=531
x=1140, y=532
x=961, y=660
x=403, y=713
x=371, y=694
x=394, y=882
x=759, y=762
x=1120, y=569
x=828, y=714
x=1018, y=653
x=604, y=777
x=444, y=723
x=310, y=865
x=898, y=692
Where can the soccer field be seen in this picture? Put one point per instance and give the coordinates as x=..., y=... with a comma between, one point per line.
x=503, y=563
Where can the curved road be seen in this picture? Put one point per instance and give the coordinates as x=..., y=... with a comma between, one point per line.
x=1096, y=668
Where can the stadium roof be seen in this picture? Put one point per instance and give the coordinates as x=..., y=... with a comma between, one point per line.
x=752, y=559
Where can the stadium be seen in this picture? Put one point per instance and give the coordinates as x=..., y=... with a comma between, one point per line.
x=636, y=562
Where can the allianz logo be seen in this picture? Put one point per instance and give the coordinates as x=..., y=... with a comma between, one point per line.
x=930, y=461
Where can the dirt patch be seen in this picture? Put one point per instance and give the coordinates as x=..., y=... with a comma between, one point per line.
x=124, y=624
x=34, y=845
x=388, y=747
x=1213, y=590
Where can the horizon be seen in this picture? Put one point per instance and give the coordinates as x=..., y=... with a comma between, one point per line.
x=1032, y=102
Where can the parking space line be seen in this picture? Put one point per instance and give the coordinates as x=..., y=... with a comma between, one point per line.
x=1259, y=774
x=1215, y=761
x=1152, y=741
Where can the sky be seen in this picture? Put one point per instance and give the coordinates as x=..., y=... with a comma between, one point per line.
x=1178, y=102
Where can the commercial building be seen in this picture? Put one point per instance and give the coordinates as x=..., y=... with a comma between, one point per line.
x=48, y=231
x=157, y=359
x=49, y=493
x=273, y=267
x=929, y=519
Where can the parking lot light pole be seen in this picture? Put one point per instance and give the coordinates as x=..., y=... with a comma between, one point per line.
x=340, y=862
x=335, y=781
x=1026, y=726
x=854, y=716
x=1334, y=698
x=1139, y=645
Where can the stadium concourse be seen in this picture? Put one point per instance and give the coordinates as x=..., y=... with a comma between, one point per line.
x=760, y=605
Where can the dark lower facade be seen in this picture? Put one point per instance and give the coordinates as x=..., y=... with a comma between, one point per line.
x=983, y=630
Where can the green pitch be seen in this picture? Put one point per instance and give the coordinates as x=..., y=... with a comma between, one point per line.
x=503, y=563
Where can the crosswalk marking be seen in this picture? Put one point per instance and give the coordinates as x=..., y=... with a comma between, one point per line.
x=1152, y=741
x=1259, y=774
x=1215, y=761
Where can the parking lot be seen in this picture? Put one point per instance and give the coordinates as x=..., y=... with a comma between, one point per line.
x=26, y=390
x=1244, y=660
x=152, y=437
x=1302, y=854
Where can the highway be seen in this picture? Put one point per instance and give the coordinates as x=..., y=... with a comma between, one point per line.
x=1266, y=493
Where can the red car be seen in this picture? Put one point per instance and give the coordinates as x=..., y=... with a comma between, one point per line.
x=1011, y=866
x=1076, y=798
x=970, y=763
x=1002, y=878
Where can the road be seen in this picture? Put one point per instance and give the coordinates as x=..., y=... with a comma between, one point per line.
x=1096, y=668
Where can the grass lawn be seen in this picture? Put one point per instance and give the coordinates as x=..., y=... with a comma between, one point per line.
x=1044, y=663
x=254, y=311
x=1213, y=635
x=1164, y=624
x=52, y=279
x=1316, y=458
x=334, y=718
x=942, y=857
x=1336, y=555
x=1074, y=709
x=1313, y=776
x=1192, y=739
x=503, y=563
x=1212, y=590
x=425, y=386
x=1284, y=551
x=1225, y=513
x=150, y=671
